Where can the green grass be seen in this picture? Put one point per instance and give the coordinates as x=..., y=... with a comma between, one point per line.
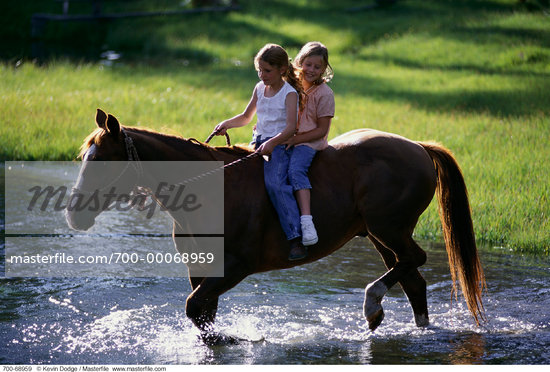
x=472, y=75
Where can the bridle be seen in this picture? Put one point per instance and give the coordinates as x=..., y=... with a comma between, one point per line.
x=132, y=153
x=133, y=161
x=142, y=191
x=130, y=148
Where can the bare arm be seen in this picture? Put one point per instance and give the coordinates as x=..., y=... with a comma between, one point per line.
x=291, y=102
x=239, y=120
x=323, y=125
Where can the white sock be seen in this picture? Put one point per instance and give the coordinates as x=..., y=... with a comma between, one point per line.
x=306, y=218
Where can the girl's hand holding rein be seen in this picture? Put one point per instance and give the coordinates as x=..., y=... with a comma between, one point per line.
x=220, y=129
x=266, y=148
x=239, y=120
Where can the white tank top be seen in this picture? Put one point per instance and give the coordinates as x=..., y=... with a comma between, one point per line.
x=271, y=111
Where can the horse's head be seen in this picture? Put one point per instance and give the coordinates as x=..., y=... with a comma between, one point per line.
x=109, y=172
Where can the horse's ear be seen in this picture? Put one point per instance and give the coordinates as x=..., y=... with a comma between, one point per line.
x=100, y=118
x=113, y=127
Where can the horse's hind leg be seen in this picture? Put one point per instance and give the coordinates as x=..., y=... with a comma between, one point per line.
x=413, y=284
x=408, y=257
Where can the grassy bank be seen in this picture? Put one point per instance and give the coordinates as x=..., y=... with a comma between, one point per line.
x=473, y=75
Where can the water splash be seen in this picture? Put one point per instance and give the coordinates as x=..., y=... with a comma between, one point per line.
x=307, y=315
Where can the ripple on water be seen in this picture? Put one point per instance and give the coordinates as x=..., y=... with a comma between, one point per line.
x=285, y=317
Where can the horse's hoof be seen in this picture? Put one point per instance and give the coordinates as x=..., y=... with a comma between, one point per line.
x=372, y=307
x=218, y=339
x=375, y=319
x=421, y=320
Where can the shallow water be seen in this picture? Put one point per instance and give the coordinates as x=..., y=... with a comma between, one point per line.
x=307, y=315
x=310, y=314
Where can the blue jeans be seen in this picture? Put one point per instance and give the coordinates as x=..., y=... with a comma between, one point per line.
x=285, y=173
x=300, y=160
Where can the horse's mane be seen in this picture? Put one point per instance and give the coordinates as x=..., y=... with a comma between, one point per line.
x=99, y=134
x=93, y=138
x=235, y=149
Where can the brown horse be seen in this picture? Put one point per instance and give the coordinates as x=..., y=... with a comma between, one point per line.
x=367, y=183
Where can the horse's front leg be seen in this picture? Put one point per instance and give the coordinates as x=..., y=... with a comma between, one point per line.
x=202, y=303
x=208, y=310
x=203, y=314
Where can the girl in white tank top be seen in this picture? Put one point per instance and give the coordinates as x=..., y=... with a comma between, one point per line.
x=275, y=100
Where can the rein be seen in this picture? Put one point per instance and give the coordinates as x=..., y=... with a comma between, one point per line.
x=133, y=156
x=213, y=171
x=214, y=132
x=135, y=162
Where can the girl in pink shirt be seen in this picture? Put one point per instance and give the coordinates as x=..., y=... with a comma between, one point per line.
x=314, y=124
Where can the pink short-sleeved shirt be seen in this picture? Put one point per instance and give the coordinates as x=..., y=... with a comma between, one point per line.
x=319, y=102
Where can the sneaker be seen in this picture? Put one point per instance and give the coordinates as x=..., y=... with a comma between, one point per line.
x=309, y=234
x=297, y=251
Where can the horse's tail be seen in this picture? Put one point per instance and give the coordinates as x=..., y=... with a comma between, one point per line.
x=458, y=231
